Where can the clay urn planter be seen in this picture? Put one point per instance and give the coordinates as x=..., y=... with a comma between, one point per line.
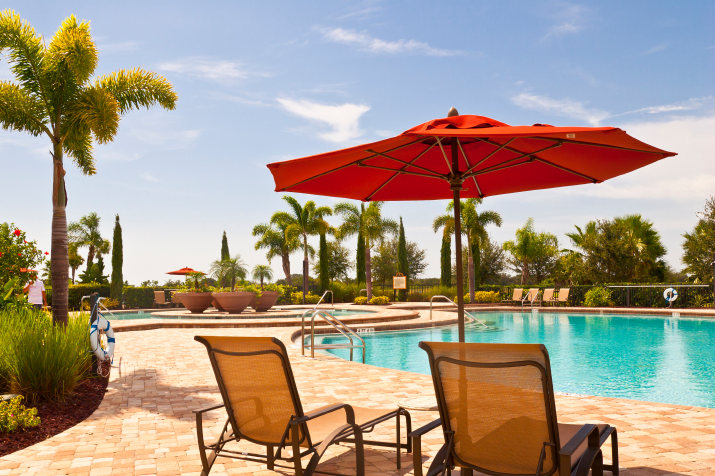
x=234, y=302
x=266, y=300
x=195, y=302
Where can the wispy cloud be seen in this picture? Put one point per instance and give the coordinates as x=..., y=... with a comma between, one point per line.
x=569, y=19
x=106, y=46
x=365, y=42
x=657, y=48
x=361, y=12
x=149, y=177
x=562, y=107
x=688, y=105
x=207, y=68
x=343, y=119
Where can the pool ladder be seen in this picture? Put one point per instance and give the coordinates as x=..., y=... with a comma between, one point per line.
x=336, y=324
x=102, y=307
x=469, y=316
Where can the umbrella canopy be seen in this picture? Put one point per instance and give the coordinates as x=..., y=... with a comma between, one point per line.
x=467, y=156
x=184, y=271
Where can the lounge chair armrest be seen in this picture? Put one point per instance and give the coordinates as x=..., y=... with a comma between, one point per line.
x=204, y=410
x=349, y=413
x=581, y=435
x=424, y=429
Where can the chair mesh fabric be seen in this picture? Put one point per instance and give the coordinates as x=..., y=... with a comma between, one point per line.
x=564, y=294
x=500, y=415
x=548, y=294
x=257, y=387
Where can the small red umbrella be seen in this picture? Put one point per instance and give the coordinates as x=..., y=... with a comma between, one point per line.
x=467, y=156
x=184, y=271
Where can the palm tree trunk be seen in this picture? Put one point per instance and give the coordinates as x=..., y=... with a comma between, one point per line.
x=285, y=258
x=261, y=282
x=59, y=253
x=470, y=271
x=305, y=266
x=368, y=271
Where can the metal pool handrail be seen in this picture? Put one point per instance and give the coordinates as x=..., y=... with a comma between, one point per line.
x=339, y=326
x=466, y=313
x=99, y=303
x=360, y=292
x=332, y=299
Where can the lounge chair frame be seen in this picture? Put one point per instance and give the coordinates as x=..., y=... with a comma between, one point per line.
x=296, y=432
x=562, y=456
x=531, y=297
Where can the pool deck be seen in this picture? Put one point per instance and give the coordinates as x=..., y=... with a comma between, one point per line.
x=145, y=423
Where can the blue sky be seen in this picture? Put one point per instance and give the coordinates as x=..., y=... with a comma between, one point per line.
x=260, y=82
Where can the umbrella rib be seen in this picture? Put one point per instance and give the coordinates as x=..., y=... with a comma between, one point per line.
x=469, y=167
x=411, y=163
x=594, y=144
x=449, y=165
x=399, y=171
x=565, y=169
x=508, y=163
x=505, y=144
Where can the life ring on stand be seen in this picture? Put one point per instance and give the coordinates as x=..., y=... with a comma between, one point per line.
x=101, y=324
x=670, y=294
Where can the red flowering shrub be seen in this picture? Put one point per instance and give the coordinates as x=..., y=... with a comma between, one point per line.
x=16, y=253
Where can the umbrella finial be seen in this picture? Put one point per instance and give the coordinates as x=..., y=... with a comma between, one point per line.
x=453, y=112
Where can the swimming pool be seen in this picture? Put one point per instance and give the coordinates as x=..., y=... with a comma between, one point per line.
x=652, y=358
x=121, y=316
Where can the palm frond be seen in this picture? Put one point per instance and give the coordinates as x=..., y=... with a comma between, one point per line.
x=71, y=57
x=78, y=145
x=96, y=109
x=26, y=53
x=21, y=111
x=138, y=88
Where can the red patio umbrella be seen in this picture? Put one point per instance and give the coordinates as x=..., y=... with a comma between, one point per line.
x=466, y=156
x=184, y=271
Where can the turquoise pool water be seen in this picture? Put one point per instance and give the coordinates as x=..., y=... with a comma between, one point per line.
x=148, y=315
x=653, y=358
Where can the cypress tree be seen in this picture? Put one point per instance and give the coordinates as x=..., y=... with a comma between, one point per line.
x=402, y=265
x=224, y=248
x=360, y=258
x=323, y=275
x=116, y=288
x=445, y=261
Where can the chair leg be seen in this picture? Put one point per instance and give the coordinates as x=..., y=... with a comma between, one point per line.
x=295, y=437
x=270, y=457
x=614, y=454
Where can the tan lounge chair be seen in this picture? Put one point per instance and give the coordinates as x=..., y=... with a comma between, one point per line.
x=266, y=301
x=497, y=411
x=563, y=296
x=548, y=295
x=516, y=296
x=160, y=299
x=530, y=297
x=261, y=399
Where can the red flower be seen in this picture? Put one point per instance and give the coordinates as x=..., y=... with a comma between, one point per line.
x=17, y=232
x=47, y=252
x=19, y=254
x=0, y=253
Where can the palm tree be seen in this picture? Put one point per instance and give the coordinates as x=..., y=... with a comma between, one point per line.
x=447, y=223
x=303, y=221
x=532, y=252
x=54, y=96
x=261, y=272
x=369, y=222
x=229, y=269
x=74, y=259
x=274, y=239
x=474, y=229
x=85, y=232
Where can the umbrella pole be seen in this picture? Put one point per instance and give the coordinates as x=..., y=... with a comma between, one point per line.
x=458, y=250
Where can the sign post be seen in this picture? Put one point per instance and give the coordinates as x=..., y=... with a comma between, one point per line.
x=399, y=281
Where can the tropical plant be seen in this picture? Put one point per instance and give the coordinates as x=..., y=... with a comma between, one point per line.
x=446, y=222
x=699, y=245
x=16, y=253
x=369, y=222
x=338, y=261
x=262, y=272
x=323, y=259
x=117, y=284
x=73, y=258
x=229, y=270
x=53, y=95
x=304, y=220
x=15, y=416
x=597, y=297
x=402, y=263
x=384, y=265
x=532, y=254
x=85, y=232
x=273, y=238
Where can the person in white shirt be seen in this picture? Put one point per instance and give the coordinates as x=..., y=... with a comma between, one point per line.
x=36, y=293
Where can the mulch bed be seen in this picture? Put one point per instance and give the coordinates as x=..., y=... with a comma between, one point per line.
x=56, y=417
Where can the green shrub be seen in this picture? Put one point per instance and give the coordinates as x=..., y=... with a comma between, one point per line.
x=597, y=297
x=310, y=298
x=39, y=360
x=380, y=300
x=417, y=297
x=344, y=292
x=360, y=300
x=486, y=296
x=136, y=297
x=14, y=416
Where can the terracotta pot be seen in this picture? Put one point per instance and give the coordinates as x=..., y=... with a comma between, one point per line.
x=265, y=302
x=196, y=302
x=235, y=302
x=216, y=304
